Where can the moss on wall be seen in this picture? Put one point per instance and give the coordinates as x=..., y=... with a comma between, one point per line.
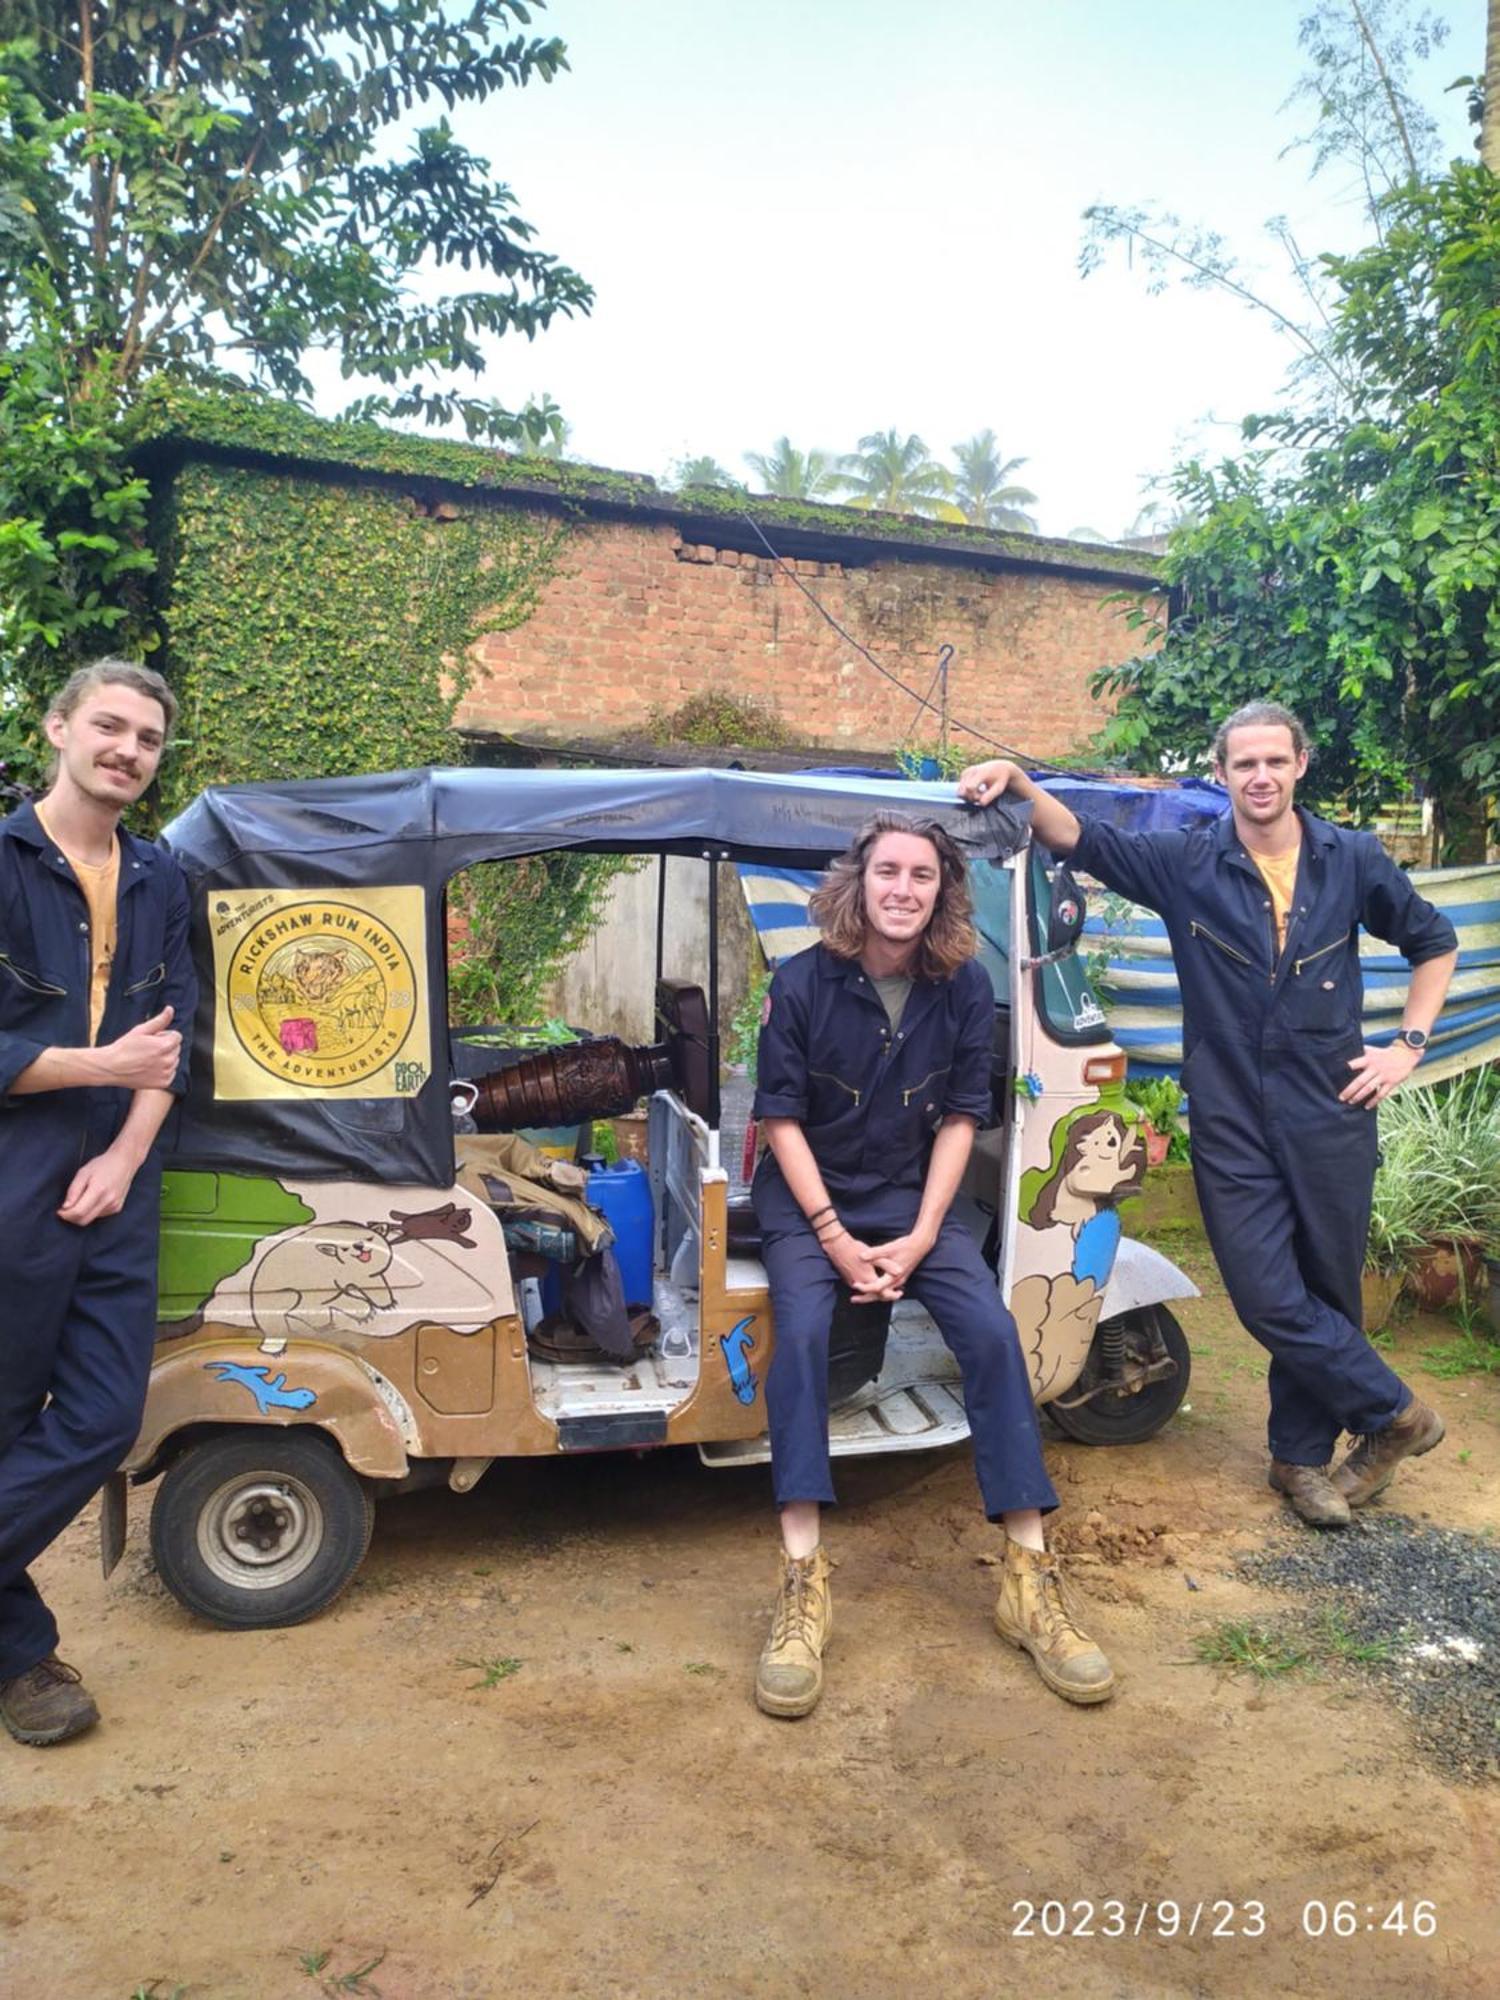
x=315, y=630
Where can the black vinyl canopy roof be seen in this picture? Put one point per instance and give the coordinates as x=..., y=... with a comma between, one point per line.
x=374, y=829
x=412, y=830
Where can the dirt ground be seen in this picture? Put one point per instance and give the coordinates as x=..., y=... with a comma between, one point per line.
x=347, y=1807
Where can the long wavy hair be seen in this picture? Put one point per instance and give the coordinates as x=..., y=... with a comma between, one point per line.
x=837, y=905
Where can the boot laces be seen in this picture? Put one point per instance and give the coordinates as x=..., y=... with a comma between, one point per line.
x=1059, y=1603
x=794, y=1610
x=54, y=1672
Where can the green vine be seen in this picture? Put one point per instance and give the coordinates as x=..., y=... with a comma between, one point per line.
x=316, y=630
x=511, y=925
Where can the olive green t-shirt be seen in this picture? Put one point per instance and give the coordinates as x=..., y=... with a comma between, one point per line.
x=894, y=990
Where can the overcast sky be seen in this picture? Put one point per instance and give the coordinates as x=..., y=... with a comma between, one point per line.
x=827, y=217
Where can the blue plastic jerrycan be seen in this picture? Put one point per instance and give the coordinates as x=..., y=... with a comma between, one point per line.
x=622, y=1192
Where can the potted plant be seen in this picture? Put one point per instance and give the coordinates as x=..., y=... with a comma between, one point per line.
x=1167, y=1201
x=1437, y=1190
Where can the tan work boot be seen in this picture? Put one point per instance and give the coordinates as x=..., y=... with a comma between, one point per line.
x=47, y=1704
x=1371, y=1464
x=1311, y=1492
x=789, y=1678
x=1033, y=1614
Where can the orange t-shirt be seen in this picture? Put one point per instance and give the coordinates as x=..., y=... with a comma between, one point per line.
x=100, y=883
x=1279, y=873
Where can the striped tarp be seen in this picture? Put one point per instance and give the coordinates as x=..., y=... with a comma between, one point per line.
x=1137, y=981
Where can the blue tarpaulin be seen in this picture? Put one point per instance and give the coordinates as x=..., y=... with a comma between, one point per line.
x=1137, y=981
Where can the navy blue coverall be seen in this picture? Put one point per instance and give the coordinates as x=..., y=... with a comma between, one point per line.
x=1284, y=1171
x=77, y=1305
x=869, y=1102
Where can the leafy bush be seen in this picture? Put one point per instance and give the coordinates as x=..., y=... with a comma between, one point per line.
x=1439, y=1173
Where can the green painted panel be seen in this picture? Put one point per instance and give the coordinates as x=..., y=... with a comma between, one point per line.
x=210, y=1226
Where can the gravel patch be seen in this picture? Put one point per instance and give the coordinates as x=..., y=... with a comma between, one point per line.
x=1433, y=1594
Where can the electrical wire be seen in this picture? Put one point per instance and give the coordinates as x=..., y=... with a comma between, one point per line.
x=924, y=702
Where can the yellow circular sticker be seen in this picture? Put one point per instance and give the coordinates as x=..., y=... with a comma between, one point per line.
x=321, y=994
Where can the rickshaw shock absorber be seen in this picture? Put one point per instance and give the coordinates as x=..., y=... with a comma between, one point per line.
x=564, y=1086
x=1112, y=1350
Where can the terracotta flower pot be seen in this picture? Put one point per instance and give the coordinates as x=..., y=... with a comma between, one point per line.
x=1445, y=1274
x=1379, y=1291
x=1157, y=1144
x=1492, y=1267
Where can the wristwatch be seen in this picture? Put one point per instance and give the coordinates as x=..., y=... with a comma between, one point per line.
x=1414, y=1038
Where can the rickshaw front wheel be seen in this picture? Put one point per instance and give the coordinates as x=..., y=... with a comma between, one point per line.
x=260, y=1528
x=1146, y=1339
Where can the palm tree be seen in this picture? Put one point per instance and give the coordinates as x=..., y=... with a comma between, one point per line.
x=794, y=475
x=898, y=475
x=984, y=490
x=699, y=471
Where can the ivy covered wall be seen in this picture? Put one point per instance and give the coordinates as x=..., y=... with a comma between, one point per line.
x=314, y=629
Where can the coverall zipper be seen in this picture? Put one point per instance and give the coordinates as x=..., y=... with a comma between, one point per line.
x=28, y=979
x=1201, y=930
x=1322, y=952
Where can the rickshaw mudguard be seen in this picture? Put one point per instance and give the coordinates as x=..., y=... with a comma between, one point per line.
x=1143, y=1277
x=221, y=1378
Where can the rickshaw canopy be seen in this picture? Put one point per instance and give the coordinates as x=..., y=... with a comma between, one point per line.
x=321, y=1044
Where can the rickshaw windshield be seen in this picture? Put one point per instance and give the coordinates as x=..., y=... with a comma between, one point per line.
x=1064, y=998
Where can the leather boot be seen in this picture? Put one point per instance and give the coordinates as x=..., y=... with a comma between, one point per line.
x=1033, y=1613
x=1312, y=1493
x=1371, y=1464
x=47, y=1704
x=789, y=1678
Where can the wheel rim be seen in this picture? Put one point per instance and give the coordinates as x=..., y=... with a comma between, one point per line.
x=260, y=1530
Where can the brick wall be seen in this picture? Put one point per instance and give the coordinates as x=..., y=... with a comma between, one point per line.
x=643, y=616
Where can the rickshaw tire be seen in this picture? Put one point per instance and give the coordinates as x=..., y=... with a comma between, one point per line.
x=1129, y=1419
x=236, y=1483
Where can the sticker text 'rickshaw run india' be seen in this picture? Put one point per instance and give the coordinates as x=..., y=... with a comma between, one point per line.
x=318, y=993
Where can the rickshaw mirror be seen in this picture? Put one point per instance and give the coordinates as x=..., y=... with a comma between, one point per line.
x=1065, y=919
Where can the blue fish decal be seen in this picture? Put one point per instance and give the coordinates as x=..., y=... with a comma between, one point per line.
x=268, y=1394
x=736, y=1345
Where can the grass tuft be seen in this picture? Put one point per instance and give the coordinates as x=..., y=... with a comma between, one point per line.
x=491, y=1672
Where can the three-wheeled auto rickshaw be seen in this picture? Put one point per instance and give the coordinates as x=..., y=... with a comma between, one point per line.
x=340, y=1311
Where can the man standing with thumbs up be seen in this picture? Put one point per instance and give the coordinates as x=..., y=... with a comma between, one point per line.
x=96, y=1000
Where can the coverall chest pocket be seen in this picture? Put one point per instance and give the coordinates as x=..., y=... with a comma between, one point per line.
x=920, y=1103
x=32, y=1001
x=1316, y=986
x=1220, y=949
x=832, y=1093
x=142, y=993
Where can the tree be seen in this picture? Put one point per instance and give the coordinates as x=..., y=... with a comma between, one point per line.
x=983, y=490
x=219, y=191
x=897, y=475
x=1368, y=120
x=1349, y=564
x=701, y=471
x=793, y=474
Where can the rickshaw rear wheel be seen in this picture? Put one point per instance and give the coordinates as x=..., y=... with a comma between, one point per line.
x=260, y=1528
x=1148, y=1333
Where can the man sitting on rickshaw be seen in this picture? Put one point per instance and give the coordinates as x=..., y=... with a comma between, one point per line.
x=874, y=1072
